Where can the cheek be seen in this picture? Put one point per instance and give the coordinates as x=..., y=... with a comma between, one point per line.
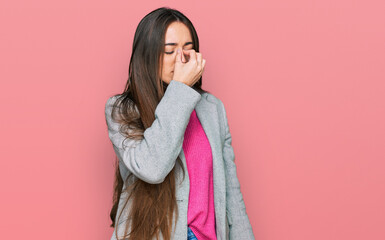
x=168, y=64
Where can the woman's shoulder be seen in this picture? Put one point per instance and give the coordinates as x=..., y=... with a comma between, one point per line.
x=117, y=97
x=111, y=100
x=214, y=99
x=219, y=104
x=211, y=97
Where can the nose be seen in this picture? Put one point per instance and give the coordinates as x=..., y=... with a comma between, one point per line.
x=184, y=59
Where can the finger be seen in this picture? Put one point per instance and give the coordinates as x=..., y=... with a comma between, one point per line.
x=191, y=53
x=203, y=66
x=199, y=58
x=200, y=73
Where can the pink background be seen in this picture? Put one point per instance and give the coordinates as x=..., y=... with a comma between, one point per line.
x=302, y=82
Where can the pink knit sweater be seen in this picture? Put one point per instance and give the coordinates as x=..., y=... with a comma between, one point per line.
x=197, y=150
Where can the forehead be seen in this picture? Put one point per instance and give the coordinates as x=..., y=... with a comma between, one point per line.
x=177, y=32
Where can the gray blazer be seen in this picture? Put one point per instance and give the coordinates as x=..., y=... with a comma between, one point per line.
x=153, y=157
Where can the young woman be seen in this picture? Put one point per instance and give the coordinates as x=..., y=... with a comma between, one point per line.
x=175, y=171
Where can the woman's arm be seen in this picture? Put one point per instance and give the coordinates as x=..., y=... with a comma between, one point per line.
x=153, y=157
x=240, y=227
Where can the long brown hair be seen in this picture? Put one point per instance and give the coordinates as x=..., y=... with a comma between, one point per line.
x=153, y=205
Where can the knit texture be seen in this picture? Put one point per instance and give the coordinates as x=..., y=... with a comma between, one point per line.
x=197, y=150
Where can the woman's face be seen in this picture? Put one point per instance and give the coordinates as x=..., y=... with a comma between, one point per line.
x=177, y=36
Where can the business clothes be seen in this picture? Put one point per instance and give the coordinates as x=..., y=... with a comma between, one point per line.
x=153, y=157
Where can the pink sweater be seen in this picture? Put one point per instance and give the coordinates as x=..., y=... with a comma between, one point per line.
x=197, y=150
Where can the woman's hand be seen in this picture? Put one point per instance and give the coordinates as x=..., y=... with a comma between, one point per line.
x=191, y=71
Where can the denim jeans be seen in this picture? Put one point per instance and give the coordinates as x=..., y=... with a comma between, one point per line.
x=190, y=234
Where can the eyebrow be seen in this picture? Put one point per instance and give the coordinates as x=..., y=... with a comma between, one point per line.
x=173, y=44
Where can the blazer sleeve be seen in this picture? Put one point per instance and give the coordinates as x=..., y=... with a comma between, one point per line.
x=239, y=223
x=153, y=157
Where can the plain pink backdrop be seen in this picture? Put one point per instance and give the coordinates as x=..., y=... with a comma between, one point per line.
x=303, y=83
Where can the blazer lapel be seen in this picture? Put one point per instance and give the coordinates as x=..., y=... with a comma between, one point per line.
x=208, y=116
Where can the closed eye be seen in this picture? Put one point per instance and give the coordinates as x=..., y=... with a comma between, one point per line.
x=173, y=51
